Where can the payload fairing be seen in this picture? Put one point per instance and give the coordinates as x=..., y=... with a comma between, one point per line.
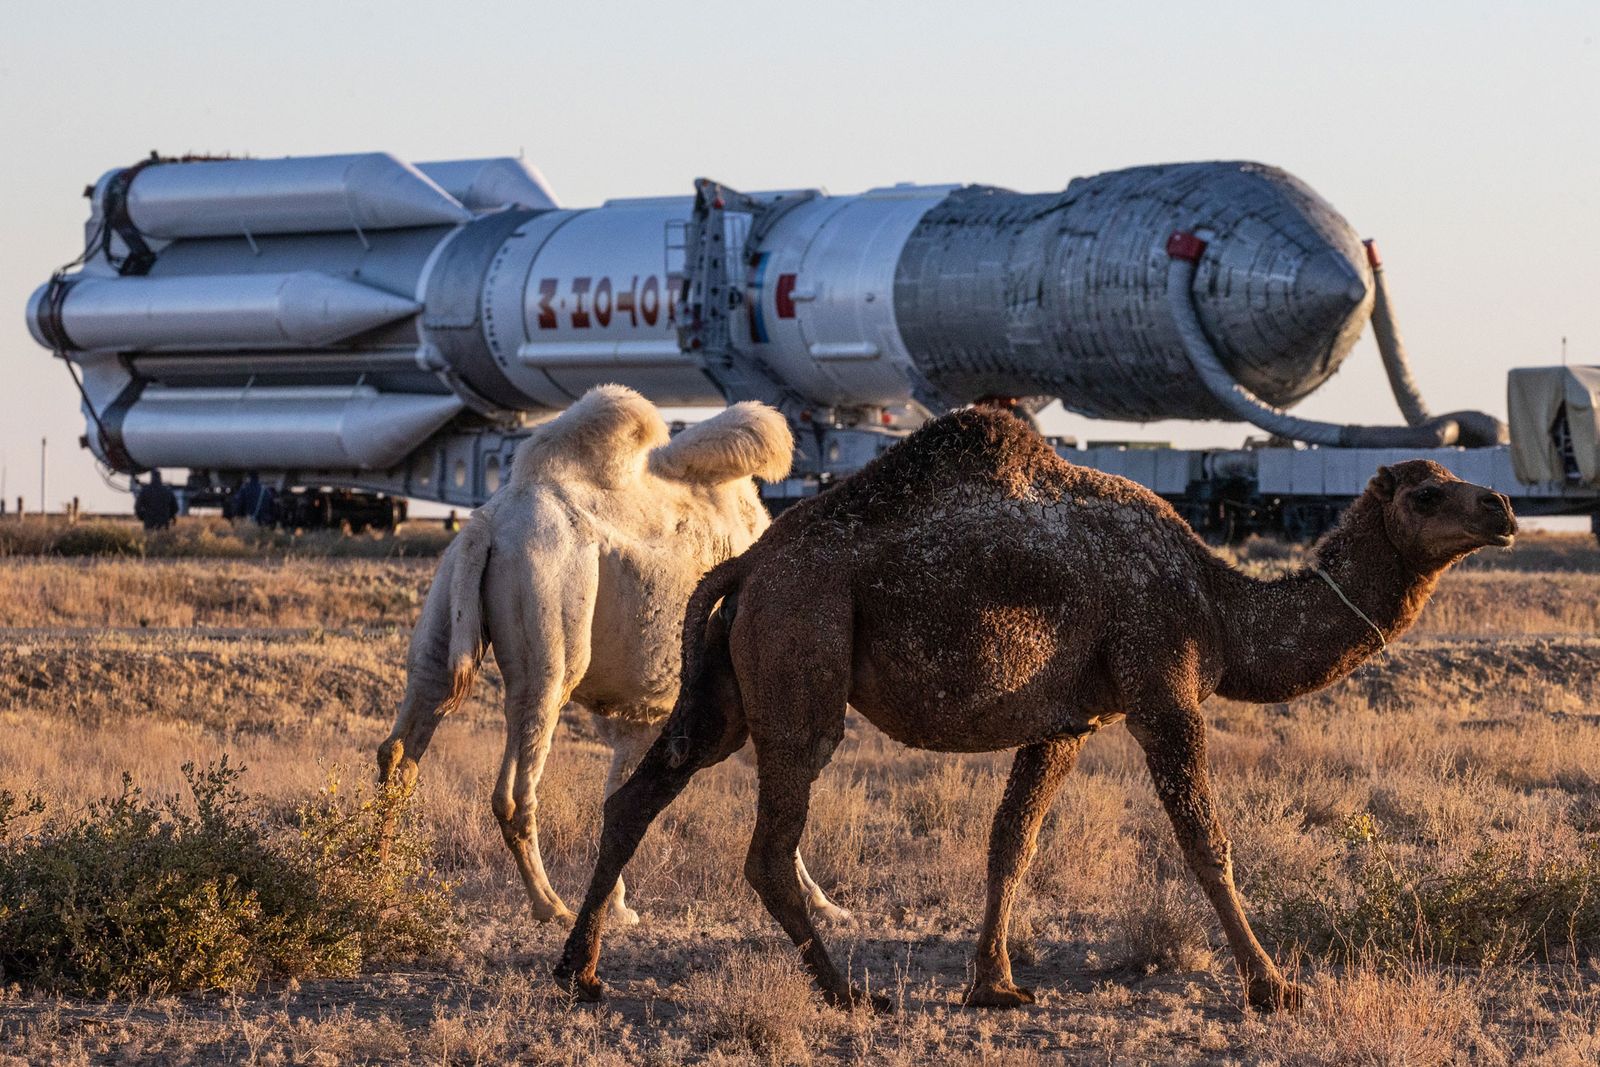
x=360, y=321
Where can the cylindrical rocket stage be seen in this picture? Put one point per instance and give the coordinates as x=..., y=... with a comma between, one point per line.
x=465, y=281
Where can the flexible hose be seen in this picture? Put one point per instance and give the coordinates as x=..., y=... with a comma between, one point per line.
x=1185, y=251
x=1478, y=429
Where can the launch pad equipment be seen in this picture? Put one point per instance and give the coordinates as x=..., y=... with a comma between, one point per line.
x=358, y=322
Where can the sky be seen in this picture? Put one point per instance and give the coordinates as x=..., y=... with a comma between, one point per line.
x=1464, y=136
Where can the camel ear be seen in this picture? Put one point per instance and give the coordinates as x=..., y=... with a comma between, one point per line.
x=1382, y=484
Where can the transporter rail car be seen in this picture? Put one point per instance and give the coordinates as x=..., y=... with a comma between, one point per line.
x=355, y=329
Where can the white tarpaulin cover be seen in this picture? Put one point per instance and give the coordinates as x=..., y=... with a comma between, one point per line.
x=1535, y=397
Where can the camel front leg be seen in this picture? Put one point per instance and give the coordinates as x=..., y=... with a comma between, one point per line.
x=1173, y=737
x=1036, y=777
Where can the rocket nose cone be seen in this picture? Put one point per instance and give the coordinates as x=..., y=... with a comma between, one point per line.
x=1328, y=287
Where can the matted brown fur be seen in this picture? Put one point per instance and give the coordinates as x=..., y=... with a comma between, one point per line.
x=972, y=591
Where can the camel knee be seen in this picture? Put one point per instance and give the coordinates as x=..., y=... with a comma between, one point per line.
x=516, y=820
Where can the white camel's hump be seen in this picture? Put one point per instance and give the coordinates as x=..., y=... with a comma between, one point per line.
x=612, y=433
x=747, y=440
x=602, y=438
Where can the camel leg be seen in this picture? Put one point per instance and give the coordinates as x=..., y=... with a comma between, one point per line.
x=1174, y=743
x=795, y=704
x=628, y=741
x=538, y=619
x=1036, y=777
x=816, y=899
x=515, y=802
x=781, y=805
x=628, y=815
x=709, y=726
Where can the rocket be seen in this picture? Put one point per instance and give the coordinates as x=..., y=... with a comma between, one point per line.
x=353, y=318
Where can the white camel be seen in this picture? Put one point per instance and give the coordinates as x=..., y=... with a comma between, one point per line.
x=577, y=573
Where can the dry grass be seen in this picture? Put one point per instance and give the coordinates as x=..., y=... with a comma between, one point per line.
x=1482, y=730
x=210, y=538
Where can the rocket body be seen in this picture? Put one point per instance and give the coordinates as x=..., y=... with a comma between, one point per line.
x=221, y=294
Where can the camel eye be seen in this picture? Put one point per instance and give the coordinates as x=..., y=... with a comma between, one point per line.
x=1426, y=498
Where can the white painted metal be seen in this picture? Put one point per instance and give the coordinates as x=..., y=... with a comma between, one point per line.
x=489, y=184
x=300, y=309
x=842, y=345
x=311, y=194
x=573, y=297
x=287, y=428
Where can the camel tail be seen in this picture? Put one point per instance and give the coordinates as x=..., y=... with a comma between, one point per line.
x=466, y=608
x=699, y=720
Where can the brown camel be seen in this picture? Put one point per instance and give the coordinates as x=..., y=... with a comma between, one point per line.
x=971, y=591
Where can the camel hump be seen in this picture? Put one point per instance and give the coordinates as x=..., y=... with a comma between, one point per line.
x=603, y=438
x=746, y=440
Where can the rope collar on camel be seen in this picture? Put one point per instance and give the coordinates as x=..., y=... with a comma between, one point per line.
x=1383, y=642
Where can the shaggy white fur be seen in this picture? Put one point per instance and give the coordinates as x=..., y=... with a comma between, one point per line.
x=576, y=574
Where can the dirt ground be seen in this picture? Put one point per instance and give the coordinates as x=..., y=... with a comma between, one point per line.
x=1478, y=736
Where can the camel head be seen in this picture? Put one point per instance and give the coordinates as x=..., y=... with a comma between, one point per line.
x=1432, y=518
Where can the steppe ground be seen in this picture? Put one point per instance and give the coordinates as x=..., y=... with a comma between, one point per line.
x=1458, y=771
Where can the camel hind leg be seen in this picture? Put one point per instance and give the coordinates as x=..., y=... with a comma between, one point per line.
x=705, y=728
x=816, y=897
x=629, y=741
x=539, y=627
x=1036, y=777
x=515, y=802
x=795, y=704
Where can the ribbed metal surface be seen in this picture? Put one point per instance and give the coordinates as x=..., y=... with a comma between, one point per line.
x=1065, y=293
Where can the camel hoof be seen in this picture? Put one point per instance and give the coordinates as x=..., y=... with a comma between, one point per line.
x=1277, y=995
x=582, y=987
x=853, y=997
x=829, y=912
x=559, y=913
x=1001, y=994
x=623, y=915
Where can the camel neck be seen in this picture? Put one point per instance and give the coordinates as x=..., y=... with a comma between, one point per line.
x=1295, y=634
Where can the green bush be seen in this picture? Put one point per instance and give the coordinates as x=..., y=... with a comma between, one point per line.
x=138, y=896
x=1493, y=903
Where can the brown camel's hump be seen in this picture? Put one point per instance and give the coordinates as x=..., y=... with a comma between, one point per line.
x=962, y=455
x=603, y=439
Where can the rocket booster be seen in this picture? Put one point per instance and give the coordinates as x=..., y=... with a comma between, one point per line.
x=394, y=300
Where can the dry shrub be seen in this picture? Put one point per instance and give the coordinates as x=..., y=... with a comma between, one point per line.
x=137, y=895
x=761, y=1004
x=1386, y=1017
x=213, y=538
x=99, y=539
x=1496, y=902
x=1162, y=925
